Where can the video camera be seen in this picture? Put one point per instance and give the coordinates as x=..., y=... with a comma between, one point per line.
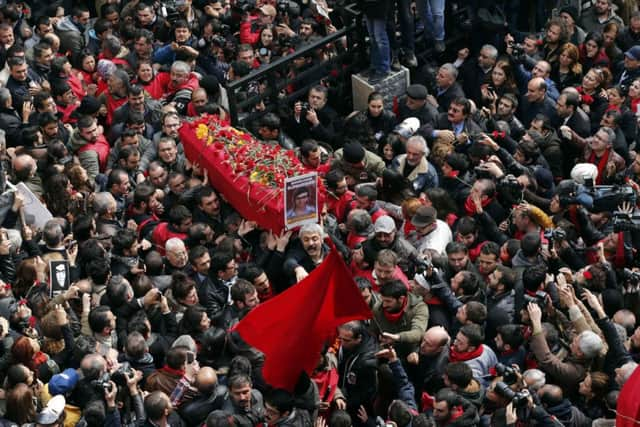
x=244, y=6
x=539, y=298
x=519, y=399
x=119, y=377
x=170, y=11
x=555, y=235
x=508, y=373
x=625, y=222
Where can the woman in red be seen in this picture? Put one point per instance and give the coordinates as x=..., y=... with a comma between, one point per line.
x=147, y=78
x=85, y=70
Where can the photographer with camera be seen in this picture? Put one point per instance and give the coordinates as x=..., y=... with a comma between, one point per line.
x=569, y=372
x=252, y=24
x=313, y=119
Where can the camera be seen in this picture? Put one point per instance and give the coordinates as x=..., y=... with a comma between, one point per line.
x=508, y=373
x=103, y=383
x=244, y=6
x=282, y=6
x=517, y=50
x=539, y=298
x=625, y=222
x=121, y=374
x=170, y=11
x=520, y=399
x=555, y=234
x=305, y=108
x=630, y=276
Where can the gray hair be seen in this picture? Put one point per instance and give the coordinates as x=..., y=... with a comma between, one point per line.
x=625, y=371
x=611, y=135
x=451, y=69
x=419, y=141
x=590, y=344
x=102, y=202
x=311, y=229
x=5, y=95
x=113, y=44
x=181, y=66
x=359, y=221
x=491, y=51
x=173, y=244
x=537, y=378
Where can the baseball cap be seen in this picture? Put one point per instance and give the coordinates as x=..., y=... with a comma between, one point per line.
x=633, y=53
x=425, y=215
x=268, y=10
x=384, y=224
x=63, y=382
x=52, y=412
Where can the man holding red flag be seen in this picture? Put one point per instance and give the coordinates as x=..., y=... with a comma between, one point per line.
x=291, y=328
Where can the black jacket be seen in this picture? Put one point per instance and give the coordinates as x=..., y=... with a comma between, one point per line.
x=195, y=412
x=357, y=370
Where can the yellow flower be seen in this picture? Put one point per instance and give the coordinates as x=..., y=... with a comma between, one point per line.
x=202, y=131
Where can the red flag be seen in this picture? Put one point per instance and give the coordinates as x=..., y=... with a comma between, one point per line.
x=628, y=406
x=291, y=328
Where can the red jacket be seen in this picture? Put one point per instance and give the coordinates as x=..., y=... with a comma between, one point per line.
x=154, y=87
x=246, y=35
x=169, y=89
x=339, y=207
x=112, y=105
x=101, y=147
x=162, y=233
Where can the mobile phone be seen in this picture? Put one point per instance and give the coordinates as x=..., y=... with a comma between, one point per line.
x=191, y=357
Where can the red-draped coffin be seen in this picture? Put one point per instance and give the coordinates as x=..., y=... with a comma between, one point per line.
x=230, y=156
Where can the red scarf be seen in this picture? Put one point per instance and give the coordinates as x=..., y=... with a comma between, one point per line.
x=470, y=207
x=455, y=356
x=474, y=253
x=175, y=372
x=266, y=295
x=394, y=317
x=602, y=164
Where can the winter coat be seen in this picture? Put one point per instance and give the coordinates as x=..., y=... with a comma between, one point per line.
x=373, y=167
x=422, y=177
x=567, y=374
x=72, y=38
x=357, y=371
x=569, y=415
x=195, y=412
x=410, y=327
x=92, y=155
x=482, y=364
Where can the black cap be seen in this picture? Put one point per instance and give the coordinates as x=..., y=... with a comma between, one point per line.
x=572, y=11
x=88, y=106
x=417, y=91
x=353, y=152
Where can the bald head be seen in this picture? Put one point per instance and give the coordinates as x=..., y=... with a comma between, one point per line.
x=550, y=395
x=24, y=167
x=206, y=380
x=536, y=90
x=434, y=340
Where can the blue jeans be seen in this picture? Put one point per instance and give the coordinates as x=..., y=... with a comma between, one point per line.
x=380, y=50
x=432, y=14
x=407, y=26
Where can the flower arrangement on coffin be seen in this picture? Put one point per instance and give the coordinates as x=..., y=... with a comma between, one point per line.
x=249, y=173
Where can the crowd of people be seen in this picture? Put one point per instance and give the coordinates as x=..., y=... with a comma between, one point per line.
x=489, y=218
